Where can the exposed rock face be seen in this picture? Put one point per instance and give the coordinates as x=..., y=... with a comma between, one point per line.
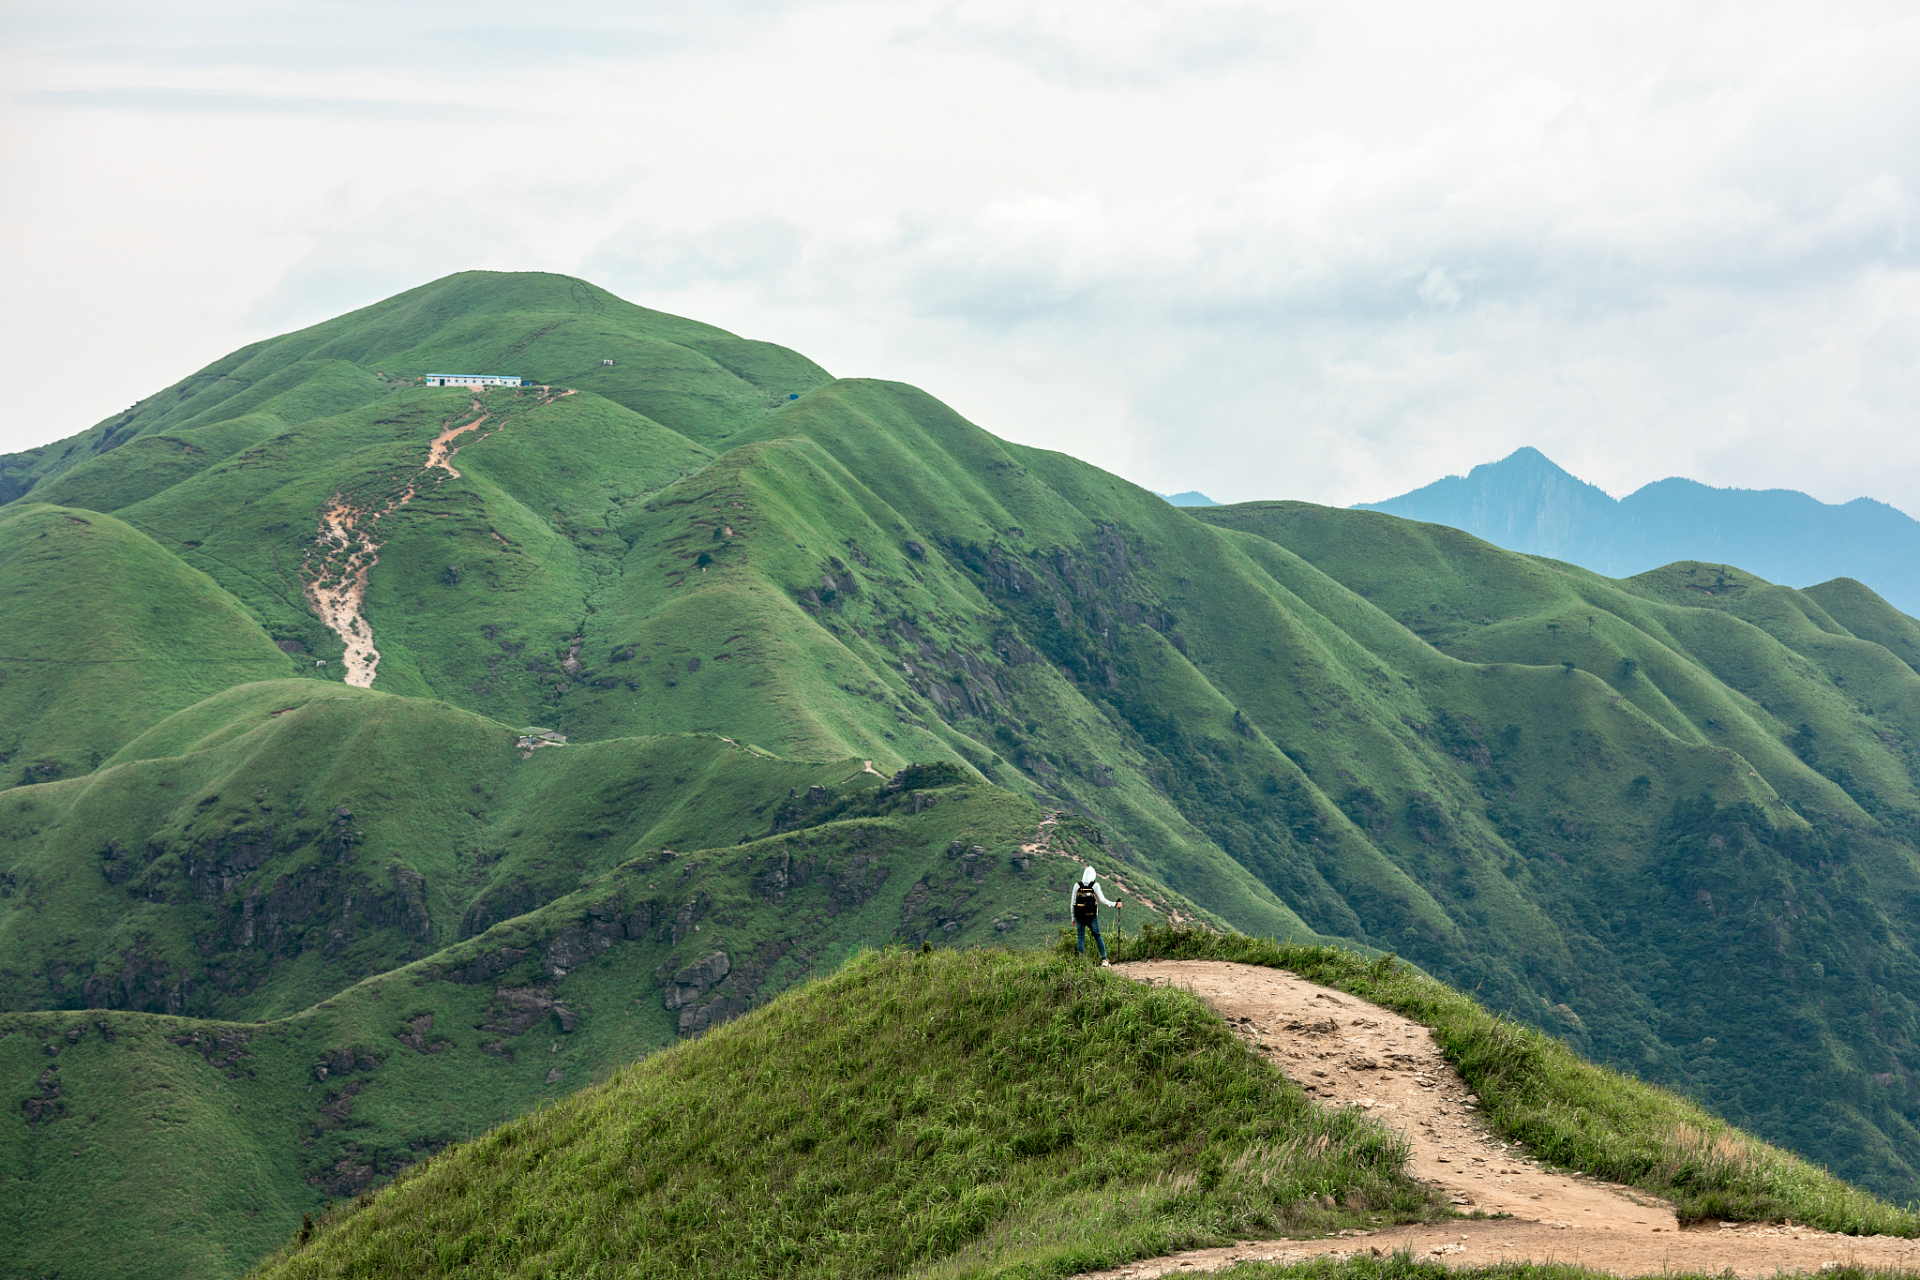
x=256, y=919
x=355, y=1169
x=784, y=873
x=690, y=987
x=145, y=981
x=575, y=944
x=486, y=966
x=416, y=1033
x=516, y=1009
x=224, y=1049
x=340, y=1062
x=498, y=903
x=696, y=979
x=45, y=1104
x=939, y=904
x=346, y=1177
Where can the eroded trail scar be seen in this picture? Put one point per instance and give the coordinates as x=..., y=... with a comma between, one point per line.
x=1346, y=1052
x=334, y=571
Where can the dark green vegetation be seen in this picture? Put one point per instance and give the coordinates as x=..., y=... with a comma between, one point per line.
x=1671, y=820
x=980, y=1110
x=1536, y=1091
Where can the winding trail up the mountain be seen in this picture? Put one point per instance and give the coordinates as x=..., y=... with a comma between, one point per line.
x=345, y=549
x=1347, y=1052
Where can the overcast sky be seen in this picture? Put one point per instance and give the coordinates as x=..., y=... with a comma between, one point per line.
x=1328, y=251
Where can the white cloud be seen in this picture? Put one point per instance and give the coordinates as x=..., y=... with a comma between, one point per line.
x=1313, y=250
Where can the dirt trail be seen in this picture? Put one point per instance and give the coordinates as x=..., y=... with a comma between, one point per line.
x=440, y=452
x=1346, y=1052
x=345, y=550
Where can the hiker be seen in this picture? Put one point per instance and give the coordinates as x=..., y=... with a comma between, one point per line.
x=1087, y=901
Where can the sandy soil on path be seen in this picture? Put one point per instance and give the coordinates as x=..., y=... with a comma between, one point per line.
x=1347, y=1052
x=335, y=572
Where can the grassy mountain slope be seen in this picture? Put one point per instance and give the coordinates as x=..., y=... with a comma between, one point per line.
x=913, y=1110
x=256, y=852
x=691, y=377
x=102, y=632
x=203, y=1141
x=964, y=1136
x=1710, y=935
x=1669, y=819
x=523, y=524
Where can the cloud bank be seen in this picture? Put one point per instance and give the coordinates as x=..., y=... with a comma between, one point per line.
x=1324, y=251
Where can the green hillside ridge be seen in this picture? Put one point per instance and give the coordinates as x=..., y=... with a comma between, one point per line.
x=691, y=377
x=956, y=1113
x=1670, y=820
x=255, y=853
x=102, y=633
x=203, y=1141
x=1012, y=1114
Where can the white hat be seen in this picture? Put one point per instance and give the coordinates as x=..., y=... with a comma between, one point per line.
x=1087, y=876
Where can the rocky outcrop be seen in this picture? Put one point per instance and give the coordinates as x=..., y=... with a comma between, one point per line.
x=346, y=1177
x=415, y=1036
x=697, y=979
x=500, y=902
x=144, y=981
x=45, y=1104
x=688, y=995
x=573, y=945
x=342, y=1062
x=782, y=874
x=254, y=920
x=517, y=1010
x=224, y=1048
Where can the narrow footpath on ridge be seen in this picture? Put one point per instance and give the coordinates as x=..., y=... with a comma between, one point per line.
x=346, y=549
x=1347, y=1052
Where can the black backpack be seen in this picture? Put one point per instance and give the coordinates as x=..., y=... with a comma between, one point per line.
x=1086, y=907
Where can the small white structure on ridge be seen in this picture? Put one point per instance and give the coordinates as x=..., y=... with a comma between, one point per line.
x=473, y=380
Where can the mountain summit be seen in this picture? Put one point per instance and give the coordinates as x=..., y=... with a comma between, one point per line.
x=1525, y=502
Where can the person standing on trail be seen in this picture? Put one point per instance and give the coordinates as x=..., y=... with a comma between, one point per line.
x=1087, y=900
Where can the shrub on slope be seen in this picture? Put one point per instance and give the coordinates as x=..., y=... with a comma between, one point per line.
x=958, y=1105
x=1567, y=1110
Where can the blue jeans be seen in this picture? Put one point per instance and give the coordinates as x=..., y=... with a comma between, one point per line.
x=1080, y=928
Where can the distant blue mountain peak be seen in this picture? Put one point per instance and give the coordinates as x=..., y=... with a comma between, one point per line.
x=1527, y=502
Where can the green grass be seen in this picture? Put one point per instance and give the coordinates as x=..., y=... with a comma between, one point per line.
x=946, y=1108
x=1565, y=1110
x=103, y=633
x=197, y=1162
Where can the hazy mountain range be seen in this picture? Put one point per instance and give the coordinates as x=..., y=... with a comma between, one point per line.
x=1524, y=502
